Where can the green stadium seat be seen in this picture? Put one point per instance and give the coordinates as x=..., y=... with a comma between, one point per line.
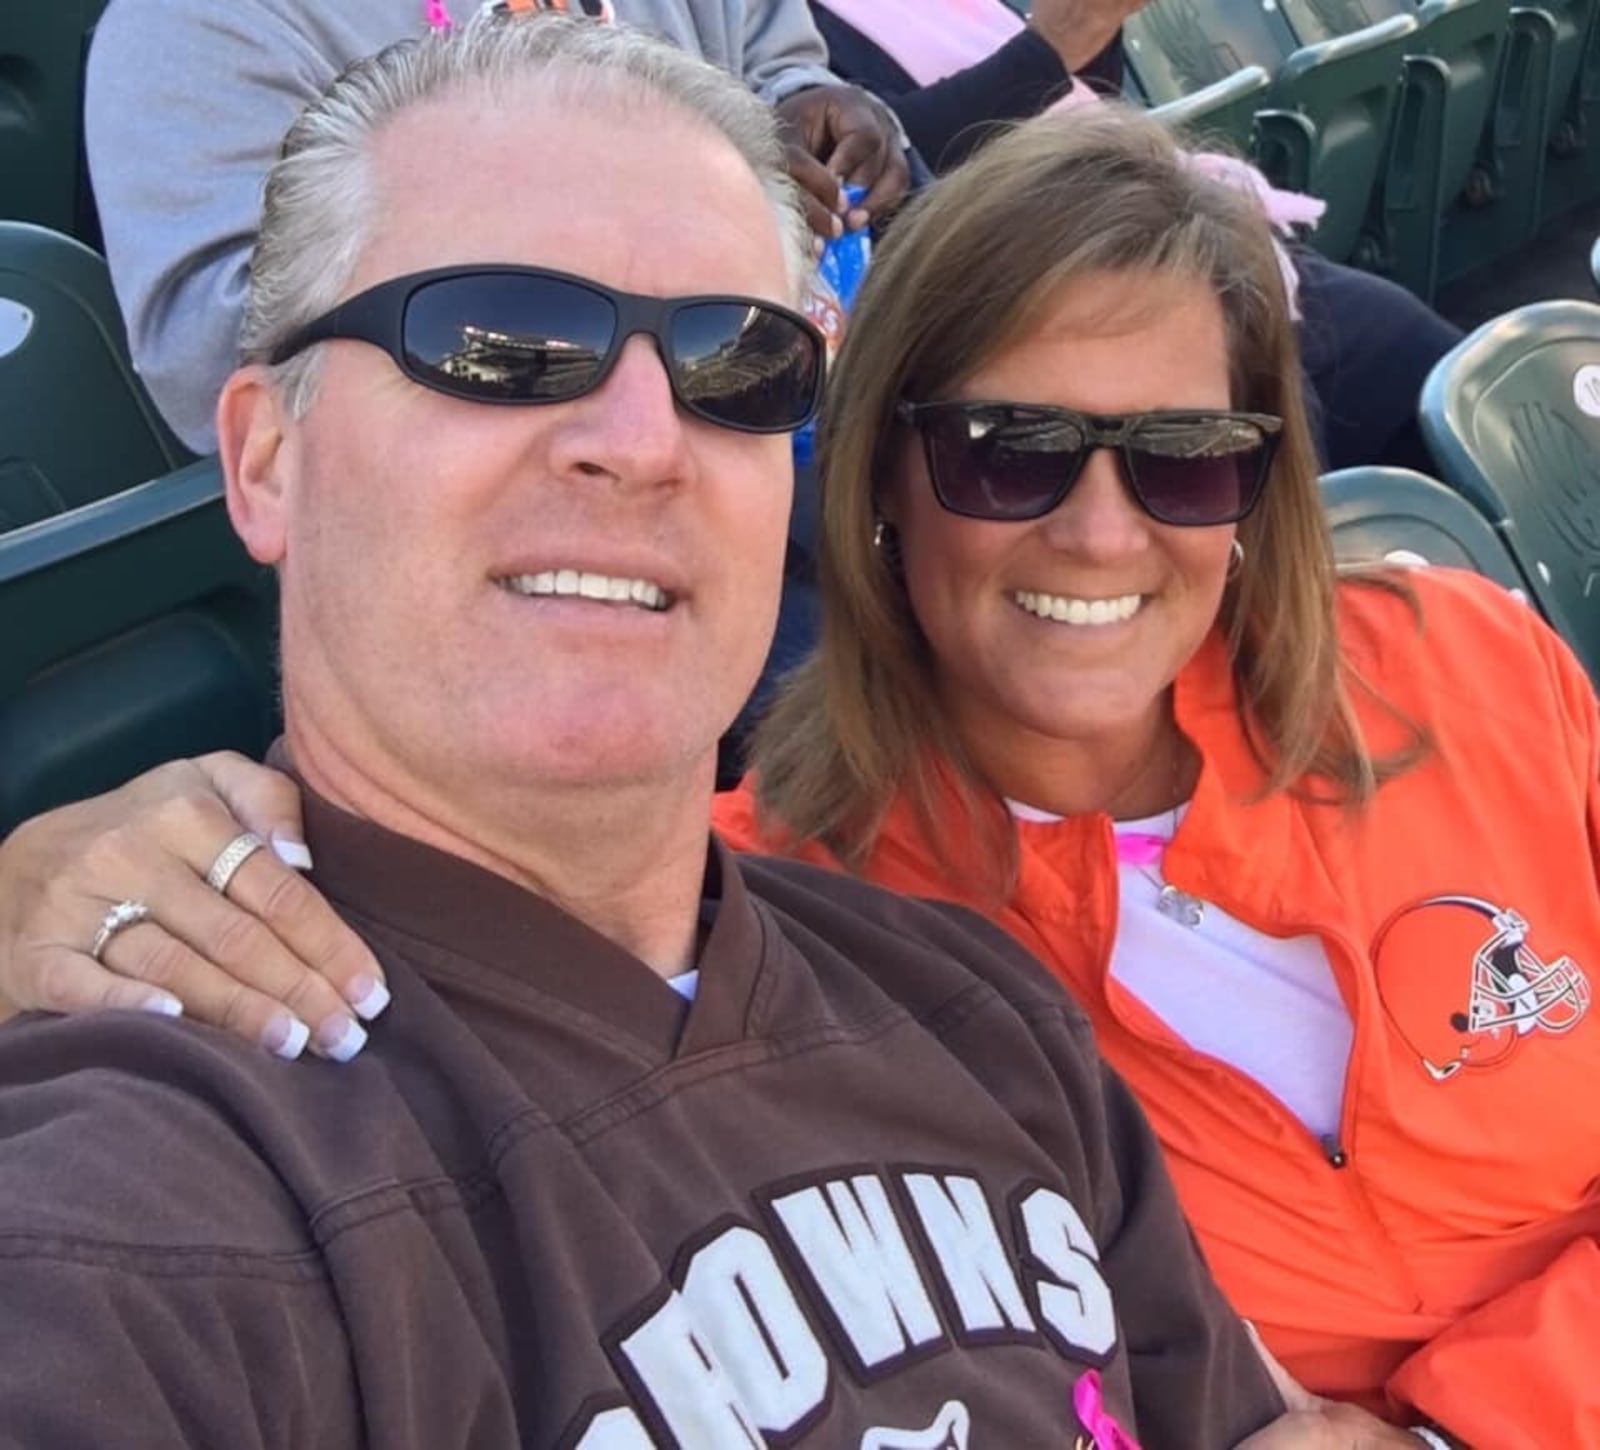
x=136, y=630
x=1393, y=515
x=1502, y=207
x=1572, y=164
x=1453, y=69
x=1325, y=123
x=44, y=45
x=75, y=423
x=1512, y=418
x=1222, y=113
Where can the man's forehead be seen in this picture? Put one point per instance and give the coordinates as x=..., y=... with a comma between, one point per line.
x=648, y=199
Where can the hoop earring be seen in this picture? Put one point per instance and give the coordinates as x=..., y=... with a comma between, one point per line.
x=1235, y=560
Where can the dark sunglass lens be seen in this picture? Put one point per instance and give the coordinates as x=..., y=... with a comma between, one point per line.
x=745, y=366
x=1199, y=474
x=505, y=337
x=1001, y=464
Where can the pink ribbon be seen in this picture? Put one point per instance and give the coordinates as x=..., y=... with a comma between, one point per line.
x=1139, y=848
x=438, y=16
x=1088, y=1399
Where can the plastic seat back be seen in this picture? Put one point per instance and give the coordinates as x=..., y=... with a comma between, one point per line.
x=44, y=45
x=136, y=630
x=1323, y=127
x=1572, y=163
x=1395, y=516
x=1223, y=112
x=1512, y=417
x=75, y=423
x=1452, y=72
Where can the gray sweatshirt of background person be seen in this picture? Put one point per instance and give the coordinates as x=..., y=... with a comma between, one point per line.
x=188, y=100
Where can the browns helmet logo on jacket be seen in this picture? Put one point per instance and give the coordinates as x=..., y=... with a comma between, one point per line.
x=1477, y=1016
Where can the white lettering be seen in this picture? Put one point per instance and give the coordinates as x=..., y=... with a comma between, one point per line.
x=689, y=1387
x=1079, y=1308
x=615, y=1430
x=739, y=1299
x=854, y=1249
x=960, y=1226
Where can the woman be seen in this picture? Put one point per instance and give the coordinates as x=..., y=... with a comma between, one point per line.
x=1325, y=884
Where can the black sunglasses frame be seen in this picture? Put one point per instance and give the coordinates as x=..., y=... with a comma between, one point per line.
x=378, y=316
x=1115, y=431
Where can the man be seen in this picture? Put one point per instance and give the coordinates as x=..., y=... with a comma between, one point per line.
x=187, y=100
x=869, y=1185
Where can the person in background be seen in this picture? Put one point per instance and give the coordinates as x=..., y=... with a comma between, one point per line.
x=1327, y=889
x=657, y=1148
x=962, y=67
x=186, y=102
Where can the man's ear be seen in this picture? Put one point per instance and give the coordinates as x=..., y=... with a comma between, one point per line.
x=255, y=438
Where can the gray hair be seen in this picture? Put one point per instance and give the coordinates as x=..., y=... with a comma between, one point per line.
x=318, y=215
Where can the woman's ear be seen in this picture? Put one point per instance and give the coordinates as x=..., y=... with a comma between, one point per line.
x=253, y=428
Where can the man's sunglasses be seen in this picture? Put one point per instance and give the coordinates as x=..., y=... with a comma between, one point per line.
x=1014, y=461
x=526, y=335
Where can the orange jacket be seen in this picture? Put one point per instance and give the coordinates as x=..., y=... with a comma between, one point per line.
x=1442, y=1257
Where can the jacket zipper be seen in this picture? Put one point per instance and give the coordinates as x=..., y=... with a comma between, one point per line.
x=1335, y=1149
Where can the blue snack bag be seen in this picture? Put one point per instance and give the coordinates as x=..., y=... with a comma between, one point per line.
x=830, y=295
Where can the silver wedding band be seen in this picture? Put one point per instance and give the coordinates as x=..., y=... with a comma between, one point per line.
x=232, y=856
x=123, y=914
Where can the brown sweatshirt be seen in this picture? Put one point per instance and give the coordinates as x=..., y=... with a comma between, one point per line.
x=874, y=1188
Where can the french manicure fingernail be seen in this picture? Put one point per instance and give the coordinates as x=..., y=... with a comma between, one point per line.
x=838, y=226
x=858, y=219
x=341, y=1037
x=291, y=852
x=367, y=995
x=161, y=1004
x=285, y=1036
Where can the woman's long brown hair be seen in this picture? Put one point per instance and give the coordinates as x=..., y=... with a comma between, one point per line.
x=1061, y=198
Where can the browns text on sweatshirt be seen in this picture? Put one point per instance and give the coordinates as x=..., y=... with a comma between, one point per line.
x=872, y=1188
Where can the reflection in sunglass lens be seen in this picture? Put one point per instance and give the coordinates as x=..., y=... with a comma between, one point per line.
x=1196, y=490
x=531, y=339
x=1197, y=471
x=1002, y=465
x=743, y=365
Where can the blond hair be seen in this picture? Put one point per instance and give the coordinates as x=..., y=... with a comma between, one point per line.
x=1056, y=200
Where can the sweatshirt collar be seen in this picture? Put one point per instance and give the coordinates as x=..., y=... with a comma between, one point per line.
x=465, y=920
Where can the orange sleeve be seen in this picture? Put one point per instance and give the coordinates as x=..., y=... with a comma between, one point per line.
x=1521, y=1372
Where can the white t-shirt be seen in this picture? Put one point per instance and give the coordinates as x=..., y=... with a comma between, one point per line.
x=1267, y=1006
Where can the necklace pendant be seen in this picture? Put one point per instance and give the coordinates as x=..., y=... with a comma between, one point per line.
x=1182, y=908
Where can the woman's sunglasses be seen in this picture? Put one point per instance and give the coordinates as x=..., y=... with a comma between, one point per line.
x=1015, y=461
x=526, y=335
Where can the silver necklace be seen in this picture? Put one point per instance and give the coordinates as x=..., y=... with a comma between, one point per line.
x=1173, y=904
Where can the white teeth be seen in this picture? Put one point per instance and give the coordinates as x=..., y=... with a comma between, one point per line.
x=571, y=583
x=1065, y=609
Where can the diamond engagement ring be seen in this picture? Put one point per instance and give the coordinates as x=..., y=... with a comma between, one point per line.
x=232, y=856
x=123, y=914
